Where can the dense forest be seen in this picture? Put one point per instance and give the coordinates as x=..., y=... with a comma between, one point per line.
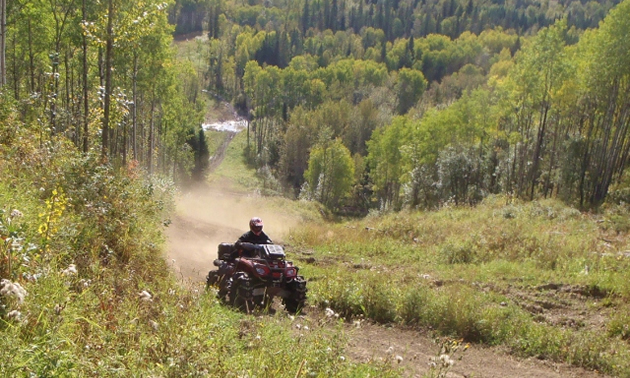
x=357, y=104
x=418, y=103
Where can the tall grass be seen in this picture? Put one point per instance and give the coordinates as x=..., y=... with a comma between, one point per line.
x=86, y=291
x=476, y=273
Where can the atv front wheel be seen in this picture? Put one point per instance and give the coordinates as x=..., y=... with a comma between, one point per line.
x=295, y=302
x=240, y=294
x=212, y=278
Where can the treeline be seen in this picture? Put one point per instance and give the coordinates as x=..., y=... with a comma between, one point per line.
x=103, y=74
x=396, y=18
x=358, y=122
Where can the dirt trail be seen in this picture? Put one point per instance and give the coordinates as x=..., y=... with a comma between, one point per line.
x=210, y=214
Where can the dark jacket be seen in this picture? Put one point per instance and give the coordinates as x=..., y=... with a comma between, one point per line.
x=250, y=237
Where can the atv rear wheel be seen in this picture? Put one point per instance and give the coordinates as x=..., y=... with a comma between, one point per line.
x=295, y=302
x=240, y=293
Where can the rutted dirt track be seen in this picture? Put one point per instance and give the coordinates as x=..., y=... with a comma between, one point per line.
x=210, y=214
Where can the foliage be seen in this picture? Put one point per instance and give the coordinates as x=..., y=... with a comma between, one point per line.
x=85, y=289
x=102, y=74
x=475, y=274
x=330, y=172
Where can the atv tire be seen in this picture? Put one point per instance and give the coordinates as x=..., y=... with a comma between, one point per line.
x=212, y=279
x=296, y=301
x=240, y=293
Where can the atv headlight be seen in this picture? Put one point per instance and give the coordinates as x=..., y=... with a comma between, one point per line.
x=261, y=270
x=290, y=272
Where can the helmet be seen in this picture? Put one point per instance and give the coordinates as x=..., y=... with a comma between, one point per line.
x=256, y=224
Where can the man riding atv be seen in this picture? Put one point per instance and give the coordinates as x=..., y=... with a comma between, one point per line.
x=255, y=235
x=252, y=271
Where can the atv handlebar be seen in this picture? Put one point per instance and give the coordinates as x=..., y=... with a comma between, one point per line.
x=248, y=246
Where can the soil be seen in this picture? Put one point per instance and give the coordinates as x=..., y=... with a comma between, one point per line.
x=210, y=214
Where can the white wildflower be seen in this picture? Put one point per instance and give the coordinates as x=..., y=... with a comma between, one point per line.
x=306, y=328
x=398, y=359
x=390, y=350
x=71, y=270
x=16, y=213
x=292, y=317
x=15, y=315
x=446, y=360
x=298, y=326
x=258, y=337
x=329, y=349
x=145, y=296
x=329, y=312
x=357, y=324
x=11, y=289
x=342, y=358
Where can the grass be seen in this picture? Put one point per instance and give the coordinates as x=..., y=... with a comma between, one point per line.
x=194, y=50
x=88, y=293
x=492, y=274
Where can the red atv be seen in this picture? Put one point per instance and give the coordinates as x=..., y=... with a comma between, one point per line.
x=251, y=275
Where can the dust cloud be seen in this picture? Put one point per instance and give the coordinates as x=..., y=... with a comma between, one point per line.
x=209, y=215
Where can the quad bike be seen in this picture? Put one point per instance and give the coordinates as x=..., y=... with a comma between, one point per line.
x=251, y=275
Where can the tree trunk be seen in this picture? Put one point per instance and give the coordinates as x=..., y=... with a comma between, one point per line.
x=134, y=114
x=31, y=56
x=3, y=39
x=85, y=85
x=109, y=50
x=150, y=143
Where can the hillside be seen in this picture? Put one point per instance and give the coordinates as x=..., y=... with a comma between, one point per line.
x=450, y=176
x=398, y=292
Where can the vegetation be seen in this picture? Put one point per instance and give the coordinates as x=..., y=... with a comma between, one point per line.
x=85, y=290
x=102, y=74
x=363, y=106
x=531, y=106
x=536, y=277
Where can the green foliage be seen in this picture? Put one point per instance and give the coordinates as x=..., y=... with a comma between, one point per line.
x=330, y=173
x=411, y=84
x=92, y=295
x=385, y=160
x=473, y=273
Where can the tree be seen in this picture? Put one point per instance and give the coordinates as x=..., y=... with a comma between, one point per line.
x=3, y=38
x=330, y=173
x=410, y=86
x=385, y=160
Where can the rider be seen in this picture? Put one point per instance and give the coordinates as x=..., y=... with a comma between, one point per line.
x=255, y=235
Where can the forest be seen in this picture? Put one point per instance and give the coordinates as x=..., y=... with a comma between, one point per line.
x=414, y=103
x=398, y=103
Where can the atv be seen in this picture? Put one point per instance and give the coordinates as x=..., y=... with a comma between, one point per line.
x=251, y=275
